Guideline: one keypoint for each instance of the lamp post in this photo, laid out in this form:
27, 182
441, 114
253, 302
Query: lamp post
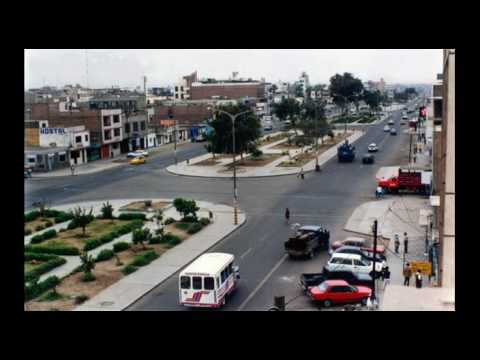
235, 194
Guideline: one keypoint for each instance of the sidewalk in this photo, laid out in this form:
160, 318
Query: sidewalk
270, 169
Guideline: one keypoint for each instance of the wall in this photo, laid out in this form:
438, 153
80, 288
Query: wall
184, 114
235, 91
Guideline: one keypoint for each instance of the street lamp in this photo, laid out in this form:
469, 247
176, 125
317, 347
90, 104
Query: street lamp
233, 117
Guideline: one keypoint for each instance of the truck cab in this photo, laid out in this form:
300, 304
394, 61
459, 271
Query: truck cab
307, 241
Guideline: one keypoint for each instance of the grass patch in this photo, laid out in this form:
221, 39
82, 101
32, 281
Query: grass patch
140, 206
183, 226
36, 265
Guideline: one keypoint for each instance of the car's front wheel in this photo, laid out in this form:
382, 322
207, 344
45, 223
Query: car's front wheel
327, 303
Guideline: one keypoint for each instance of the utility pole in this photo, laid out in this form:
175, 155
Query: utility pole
410, 151
317, 167
374, 277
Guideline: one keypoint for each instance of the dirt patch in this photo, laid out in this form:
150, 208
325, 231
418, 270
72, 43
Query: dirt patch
272, 139
140, 206
170, 228
207, 162
286, 146
40, 221
261, 161
74, 237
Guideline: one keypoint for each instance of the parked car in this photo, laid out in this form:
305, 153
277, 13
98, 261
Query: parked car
386, 128
351, 262
339, 291
364, 254
313, 279
138, 160
393, 131
391, 122
405, 117
349, 241
368, 159
137, 153
372, 147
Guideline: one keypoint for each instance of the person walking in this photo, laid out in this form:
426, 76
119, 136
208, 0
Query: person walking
287, 216
407, 274
300, 174
397, 243
386, 277
405, 243
72, 169
418, 279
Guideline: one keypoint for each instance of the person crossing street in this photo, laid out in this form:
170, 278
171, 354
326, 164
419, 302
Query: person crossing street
287, 216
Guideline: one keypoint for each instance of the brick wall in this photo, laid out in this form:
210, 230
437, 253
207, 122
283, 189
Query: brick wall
184, 114
228, 91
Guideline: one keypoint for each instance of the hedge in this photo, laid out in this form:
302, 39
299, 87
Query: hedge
155, 240
129, 269
171, 239
183, 226
104, 255
194, 228
189, 219
132, 216
45, 236
91, 244
33, 291
44, 268
120, 246
56, 250
144, 259
31, 216
117, 232
204, 221
169, 221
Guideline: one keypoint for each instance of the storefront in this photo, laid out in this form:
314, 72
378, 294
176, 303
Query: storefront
47, 159
93, 153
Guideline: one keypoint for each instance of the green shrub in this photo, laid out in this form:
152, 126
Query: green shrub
31, 216
33, 290
155, 240
49, 234
51, 296
169, 221
80, 299
37, 239
171, 239
106, 238
129, 269
91, 244
144, 259
120, 246
257, 153
48, 213
183, 226
48, 224
107, 211
204, 221
88, 277
53, 249
194, 228
132, 216
52, 262
62, 217
39, 227
27, 232
189, 219
104, 255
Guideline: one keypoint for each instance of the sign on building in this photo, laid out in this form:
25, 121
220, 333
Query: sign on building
424, 267
56, 131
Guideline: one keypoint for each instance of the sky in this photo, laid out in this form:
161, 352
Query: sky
126, 67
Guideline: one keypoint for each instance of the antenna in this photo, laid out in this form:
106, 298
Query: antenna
86, 65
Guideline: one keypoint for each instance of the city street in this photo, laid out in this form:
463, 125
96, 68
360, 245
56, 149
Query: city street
327, 198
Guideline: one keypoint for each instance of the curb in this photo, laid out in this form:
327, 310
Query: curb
169, 277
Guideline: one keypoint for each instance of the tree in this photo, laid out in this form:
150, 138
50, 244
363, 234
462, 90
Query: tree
139, 236
247, 130
81, 218
287, 108
345, 89
372, 99
107, 211
186, 207
88, 264
159, 220
314, 123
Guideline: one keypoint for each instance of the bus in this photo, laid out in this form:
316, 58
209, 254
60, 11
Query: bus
208, 280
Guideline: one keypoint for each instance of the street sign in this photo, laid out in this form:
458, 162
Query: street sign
424, 267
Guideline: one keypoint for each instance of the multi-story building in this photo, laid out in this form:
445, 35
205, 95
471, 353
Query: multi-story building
136, 128
227, 90
304, 83
183, 87
128, 103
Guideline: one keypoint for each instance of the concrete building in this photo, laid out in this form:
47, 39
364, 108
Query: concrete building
128, 103
182, 90
304, 82
227, 90
137, 130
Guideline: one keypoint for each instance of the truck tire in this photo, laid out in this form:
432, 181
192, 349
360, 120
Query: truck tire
327, 303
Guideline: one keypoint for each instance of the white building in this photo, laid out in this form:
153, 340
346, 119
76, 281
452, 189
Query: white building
304, 82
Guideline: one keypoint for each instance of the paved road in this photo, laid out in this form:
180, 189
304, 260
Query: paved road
327, 198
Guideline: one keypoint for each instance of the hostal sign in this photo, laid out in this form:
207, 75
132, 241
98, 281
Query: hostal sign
59, 131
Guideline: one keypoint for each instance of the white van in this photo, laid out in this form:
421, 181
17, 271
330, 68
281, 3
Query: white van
351, 262
208, 280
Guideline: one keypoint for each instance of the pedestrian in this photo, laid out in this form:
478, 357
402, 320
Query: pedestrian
386, 277
188, 161
418, 279
287, 215
72, 169
300, 174
407, 274
379, 192
405, 243
414, 159
210, 215
397, 243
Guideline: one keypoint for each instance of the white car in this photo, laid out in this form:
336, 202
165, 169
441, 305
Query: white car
351, 262
386, 128
391, 122
404, 117
137, 153
372, 147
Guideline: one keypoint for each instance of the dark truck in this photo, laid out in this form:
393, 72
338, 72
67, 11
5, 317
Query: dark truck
314, 279
346, 152
307, 241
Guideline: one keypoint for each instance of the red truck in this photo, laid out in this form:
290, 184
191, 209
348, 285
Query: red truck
407, 180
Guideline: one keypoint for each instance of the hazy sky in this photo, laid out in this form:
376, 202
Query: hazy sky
125, 68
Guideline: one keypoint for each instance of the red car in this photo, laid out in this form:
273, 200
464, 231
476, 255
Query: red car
358, 242
337, 292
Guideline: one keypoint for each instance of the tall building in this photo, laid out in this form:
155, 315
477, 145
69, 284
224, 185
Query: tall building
183, 87
304, 82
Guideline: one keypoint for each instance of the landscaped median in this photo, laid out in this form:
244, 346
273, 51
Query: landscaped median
110, 250
280, 156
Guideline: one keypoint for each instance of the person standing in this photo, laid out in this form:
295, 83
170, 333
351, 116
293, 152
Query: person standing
397, 243
405, 243
418, 279
386, 277
72, 169
300, 174
407, 274
287, 215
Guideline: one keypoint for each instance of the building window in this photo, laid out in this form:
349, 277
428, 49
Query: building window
127, 128
61, 158
86, 137
116, 132
176, 88
135, 126
142, 125
106, 121
115, 146
31, 159
78, 139
107, 134
116, 119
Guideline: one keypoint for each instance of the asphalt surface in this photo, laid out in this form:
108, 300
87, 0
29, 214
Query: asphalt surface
327, 198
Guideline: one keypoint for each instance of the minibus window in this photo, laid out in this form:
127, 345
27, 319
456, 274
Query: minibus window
197, 282
230, 268
208, 283
218, 282
185, 282
223, 276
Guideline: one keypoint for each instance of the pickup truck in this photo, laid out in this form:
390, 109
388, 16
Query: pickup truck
314, 279
307, 240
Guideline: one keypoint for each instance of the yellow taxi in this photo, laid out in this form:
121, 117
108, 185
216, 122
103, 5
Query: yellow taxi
138, 160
